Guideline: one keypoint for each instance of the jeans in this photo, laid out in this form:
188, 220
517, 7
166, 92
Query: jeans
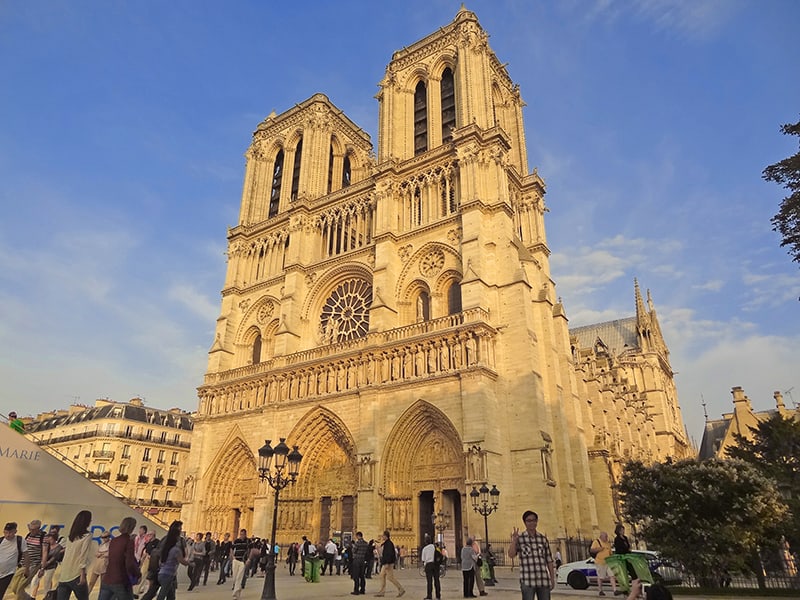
118, 591
167, 584
358, 572
542, 592
469, 583
432, 575
65, 588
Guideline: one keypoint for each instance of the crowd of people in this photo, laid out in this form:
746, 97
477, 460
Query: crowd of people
137, 565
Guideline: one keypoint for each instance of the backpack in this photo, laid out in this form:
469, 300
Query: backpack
19, 550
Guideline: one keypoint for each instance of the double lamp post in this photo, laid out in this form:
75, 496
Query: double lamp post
277, 479
485, 502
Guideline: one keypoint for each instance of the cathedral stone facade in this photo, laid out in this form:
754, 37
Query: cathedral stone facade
392, 314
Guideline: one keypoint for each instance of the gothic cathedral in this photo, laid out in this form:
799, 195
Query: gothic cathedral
393, 317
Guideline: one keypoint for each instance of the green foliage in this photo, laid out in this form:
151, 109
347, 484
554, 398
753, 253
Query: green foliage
787, 173
775, 451
708, 515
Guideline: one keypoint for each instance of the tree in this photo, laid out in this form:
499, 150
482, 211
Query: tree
774, 449
787, 173
709, 515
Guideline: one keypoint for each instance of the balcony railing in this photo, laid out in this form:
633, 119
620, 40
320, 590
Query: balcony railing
100, 434
103, 476
103, 454
143, 479
158, 480
122, 477
172, 482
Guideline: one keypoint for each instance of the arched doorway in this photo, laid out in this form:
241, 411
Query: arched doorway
322, 502
232, 486
423, 475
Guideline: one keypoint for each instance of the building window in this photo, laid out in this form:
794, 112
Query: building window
148, 435
454, 298
298, 154
163, 437
177, 438
346, 172
448, 92
146, 455
101, 468
174, 460
128, 431
126, 451
257, 350
277, 177
143, 472
345, 315
161, 452
420, 119
423, 307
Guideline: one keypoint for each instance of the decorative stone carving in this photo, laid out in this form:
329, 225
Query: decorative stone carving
244, 304
265, 311
432, 263
405, 252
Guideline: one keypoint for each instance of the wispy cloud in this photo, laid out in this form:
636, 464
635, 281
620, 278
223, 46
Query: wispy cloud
697, 19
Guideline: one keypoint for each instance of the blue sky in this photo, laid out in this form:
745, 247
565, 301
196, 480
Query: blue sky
121, 161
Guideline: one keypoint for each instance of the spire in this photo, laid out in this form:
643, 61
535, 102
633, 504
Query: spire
641, 312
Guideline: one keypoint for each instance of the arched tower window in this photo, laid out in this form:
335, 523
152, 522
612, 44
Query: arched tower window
277, 177
454, 298
448, 92
420, 119
423, 307
298, 152
346, 172
257, 350
330, 170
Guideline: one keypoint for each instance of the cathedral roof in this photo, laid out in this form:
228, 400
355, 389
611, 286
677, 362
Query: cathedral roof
618, 336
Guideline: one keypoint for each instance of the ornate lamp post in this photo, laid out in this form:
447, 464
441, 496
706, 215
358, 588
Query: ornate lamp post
441, 522
484, 502
278, 479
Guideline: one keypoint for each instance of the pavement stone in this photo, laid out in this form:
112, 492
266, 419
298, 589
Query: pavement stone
340, 586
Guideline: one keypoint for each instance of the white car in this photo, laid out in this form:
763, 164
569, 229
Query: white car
581, 574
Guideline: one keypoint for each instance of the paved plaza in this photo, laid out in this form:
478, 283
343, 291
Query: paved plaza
296, 588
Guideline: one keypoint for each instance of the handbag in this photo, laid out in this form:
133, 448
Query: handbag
479, 562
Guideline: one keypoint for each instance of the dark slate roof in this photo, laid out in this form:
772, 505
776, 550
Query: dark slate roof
120, 411
713, 435
618, 336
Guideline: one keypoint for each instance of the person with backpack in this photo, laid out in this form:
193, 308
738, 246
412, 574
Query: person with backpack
35, 557
431, 558
153, 553
12, 551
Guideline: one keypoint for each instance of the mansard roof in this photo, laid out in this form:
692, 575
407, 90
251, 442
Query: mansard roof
618, 336
113, 411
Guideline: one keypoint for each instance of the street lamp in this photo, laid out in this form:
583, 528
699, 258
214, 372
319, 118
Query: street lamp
441, 522
484, 502
274, 475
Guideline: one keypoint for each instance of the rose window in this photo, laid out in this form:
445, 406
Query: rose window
345, 315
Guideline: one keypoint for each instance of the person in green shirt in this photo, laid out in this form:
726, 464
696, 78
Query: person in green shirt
15, 423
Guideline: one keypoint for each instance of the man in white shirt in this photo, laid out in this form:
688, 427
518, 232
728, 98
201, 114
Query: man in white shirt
431, 558
330, 556
11, 552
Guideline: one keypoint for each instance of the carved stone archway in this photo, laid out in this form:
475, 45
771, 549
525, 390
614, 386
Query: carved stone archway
423, 456
232, 484
323, 499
